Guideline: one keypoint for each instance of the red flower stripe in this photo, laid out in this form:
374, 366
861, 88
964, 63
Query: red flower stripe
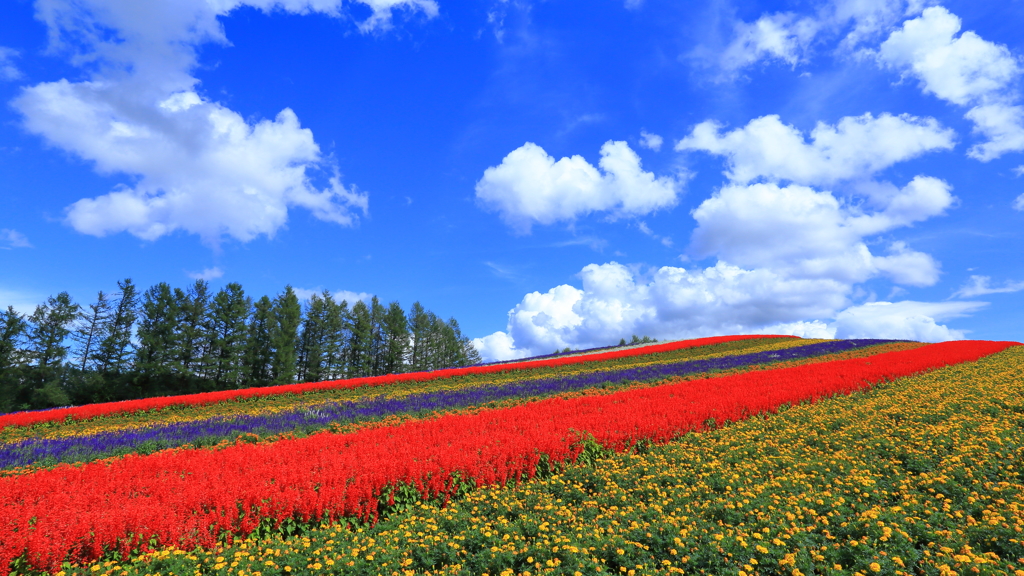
92, 410
188, 497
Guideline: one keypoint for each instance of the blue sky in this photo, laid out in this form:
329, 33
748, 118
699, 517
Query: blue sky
549, 173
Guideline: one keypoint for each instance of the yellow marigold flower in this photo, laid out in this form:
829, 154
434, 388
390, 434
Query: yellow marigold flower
875, 567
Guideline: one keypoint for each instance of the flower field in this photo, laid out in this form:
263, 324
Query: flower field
735, 455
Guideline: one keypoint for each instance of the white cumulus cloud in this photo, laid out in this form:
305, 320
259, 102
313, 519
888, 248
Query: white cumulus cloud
905, 320
531, 187
856, 147
197, 166
616, 301
498, 346
804, 233
790, 254
965, 70
670, 302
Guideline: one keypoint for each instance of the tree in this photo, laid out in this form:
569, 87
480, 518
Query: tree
395, 330
158, 330
228, 313
192, 347
360, 345
259, 353
284, 335
420, 327
190, 340
89, 332
13, 329
114, 353
377, 312
319, 339
51, 325
338, 329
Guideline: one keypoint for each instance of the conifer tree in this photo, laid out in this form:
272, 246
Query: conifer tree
420, 328
259, 353
396, 339
315, 338
192, 342
89, 332
360, 342
284, 335
338, 329
228, 313
192, 339
51, 324
377, 312
114, 352
13, 329
158, 330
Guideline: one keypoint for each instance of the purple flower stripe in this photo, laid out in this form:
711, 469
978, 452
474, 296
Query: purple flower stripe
308, 419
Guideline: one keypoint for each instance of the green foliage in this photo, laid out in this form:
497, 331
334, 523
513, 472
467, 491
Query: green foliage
169, 341
114, 353
314, 338
13, 329
284, 335
50, 326
192, 335
91, 323
360, 344
395, 332
228, 312
157, 334
259, 351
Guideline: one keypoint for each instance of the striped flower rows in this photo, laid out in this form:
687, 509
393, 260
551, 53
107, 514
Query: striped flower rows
261, 405
919, 476
322, 416
191, 497
129, 406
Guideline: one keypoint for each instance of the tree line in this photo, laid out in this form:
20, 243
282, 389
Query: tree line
167, 341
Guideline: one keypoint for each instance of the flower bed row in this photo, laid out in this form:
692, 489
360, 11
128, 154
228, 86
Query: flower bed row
917, 477
92, 410
262, 405
310, 418
190, 497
